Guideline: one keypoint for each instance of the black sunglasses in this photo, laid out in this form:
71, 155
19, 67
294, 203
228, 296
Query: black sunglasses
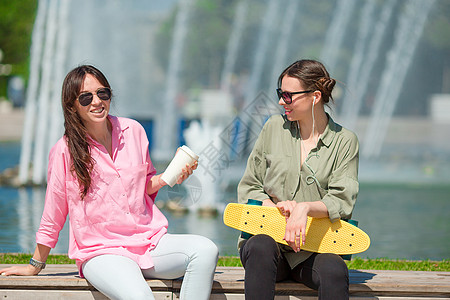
287, 96
103, 93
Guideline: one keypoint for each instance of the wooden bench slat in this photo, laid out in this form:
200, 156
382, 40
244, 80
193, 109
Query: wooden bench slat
230, 281
63, 295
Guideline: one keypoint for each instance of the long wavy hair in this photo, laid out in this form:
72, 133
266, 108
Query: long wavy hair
313, 75
76, 134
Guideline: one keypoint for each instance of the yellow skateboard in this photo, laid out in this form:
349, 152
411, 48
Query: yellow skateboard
322, 236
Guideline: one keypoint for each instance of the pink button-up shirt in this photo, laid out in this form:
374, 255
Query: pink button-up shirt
117, 216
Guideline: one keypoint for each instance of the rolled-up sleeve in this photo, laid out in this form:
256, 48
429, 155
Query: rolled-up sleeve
343, 186
55, 208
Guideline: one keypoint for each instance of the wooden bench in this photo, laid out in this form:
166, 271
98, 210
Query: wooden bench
63, 282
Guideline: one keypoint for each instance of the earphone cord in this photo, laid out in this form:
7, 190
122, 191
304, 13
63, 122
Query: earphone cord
310, 178
314, 122
314, 125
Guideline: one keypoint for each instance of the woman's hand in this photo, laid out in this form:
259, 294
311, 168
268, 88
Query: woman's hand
155, 184
296, 215
40, 254
295, 234
286, 207
187, 171
23, 270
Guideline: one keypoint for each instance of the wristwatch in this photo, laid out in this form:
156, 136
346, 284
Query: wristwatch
37, 264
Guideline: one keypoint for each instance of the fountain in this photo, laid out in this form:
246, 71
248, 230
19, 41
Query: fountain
222, 145
281, 52
63, 37
165, 127
233, 43
246, 122
261, 52
203, 186
359, 72
366, 23
335, 34
41, 150
32, 91
42, 133
107, 48
56, 121
398, 60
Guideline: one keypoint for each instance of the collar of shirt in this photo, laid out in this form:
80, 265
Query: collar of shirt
326, 137
116, 136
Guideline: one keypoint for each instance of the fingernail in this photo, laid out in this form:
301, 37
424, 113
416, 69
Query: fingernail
3, 274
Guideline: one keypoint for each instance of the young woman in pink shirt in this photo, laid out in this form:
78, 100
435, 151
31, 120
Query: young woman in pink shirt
101, 175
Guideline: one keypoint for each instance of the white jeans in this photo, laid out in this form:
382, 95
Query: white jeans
176, 255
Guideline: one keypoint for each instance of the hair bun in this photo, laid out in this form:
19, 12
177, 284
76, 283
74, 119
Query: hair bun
327, 84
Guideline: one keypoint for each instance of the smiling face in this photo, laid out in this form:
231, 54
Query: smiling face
301, 103
97, 111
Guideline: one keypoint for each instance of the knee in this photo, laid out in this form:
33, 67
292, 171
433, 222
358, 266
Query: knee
206, 249
260, 246
333, 268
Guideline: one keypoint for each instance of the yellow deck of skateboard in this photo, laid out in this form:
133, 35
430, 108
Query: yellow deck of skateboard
322, 236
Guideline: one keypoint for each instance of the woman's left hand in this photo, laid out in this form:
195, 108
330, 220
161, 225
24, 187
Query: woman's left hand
187, 171
296, 226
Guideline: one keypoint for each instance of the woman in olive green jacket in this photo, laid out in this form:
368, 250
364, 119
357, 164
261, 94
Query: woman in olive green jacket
306, 165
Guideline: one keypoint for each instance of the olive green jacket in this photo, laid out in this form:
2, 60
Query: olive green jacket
329, 173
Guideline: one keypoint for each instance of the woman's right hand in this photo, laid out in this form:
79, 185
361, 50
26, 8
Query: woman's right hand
22, 270
286, 208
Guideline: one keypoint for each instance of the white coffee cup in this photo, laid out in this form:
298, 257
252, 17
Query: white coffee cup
173, 171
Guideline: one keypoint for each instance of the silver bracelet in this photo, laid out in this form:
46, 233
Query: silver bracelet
37, 264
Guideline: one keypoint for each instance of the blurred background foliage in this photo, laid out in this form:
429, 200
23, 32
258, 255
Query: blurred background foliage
16, 26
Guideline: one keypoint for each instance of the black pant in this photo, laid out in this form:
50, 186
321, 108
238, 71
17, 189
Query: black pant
264, 265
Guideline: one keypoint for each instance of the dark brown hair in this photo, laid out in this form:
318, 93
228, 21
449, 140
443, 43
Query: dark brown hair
313, 75
75, 131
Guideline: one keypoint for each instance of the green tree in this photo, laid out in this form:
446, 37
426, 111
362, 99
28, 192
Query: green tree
16, 26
